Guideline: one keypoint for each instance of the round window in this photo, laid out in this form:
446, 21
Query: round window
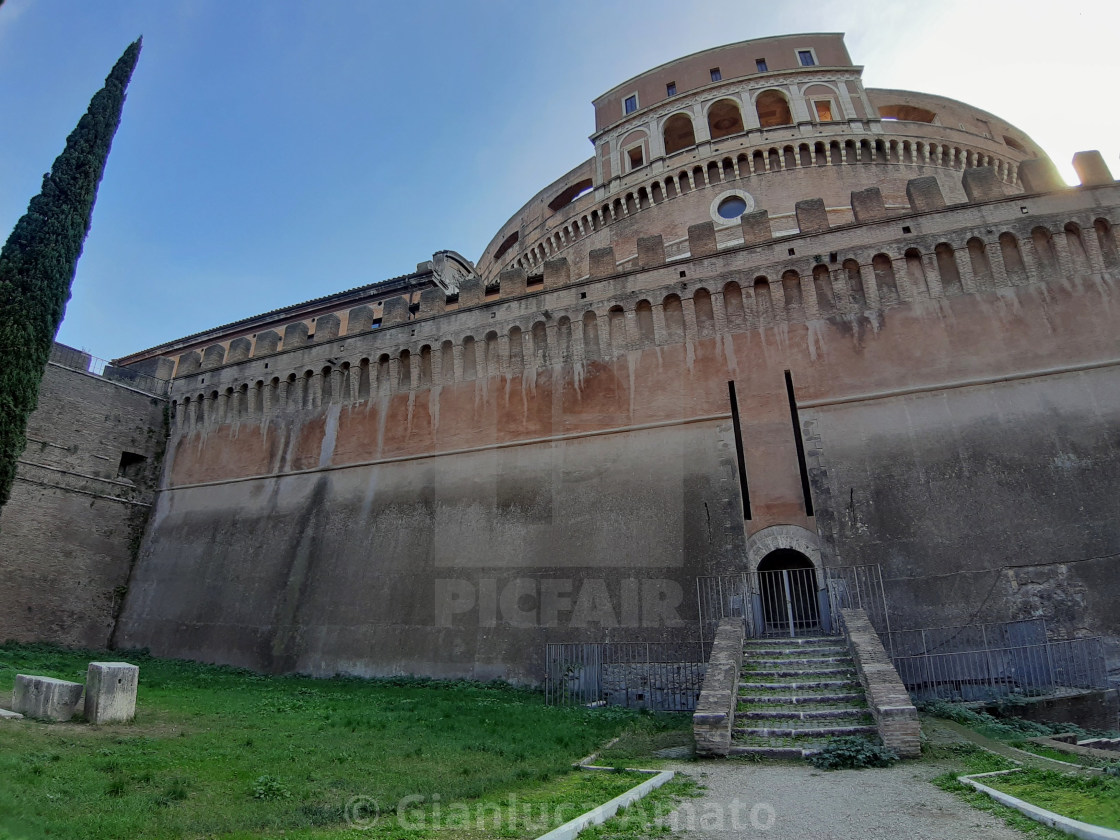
732, 207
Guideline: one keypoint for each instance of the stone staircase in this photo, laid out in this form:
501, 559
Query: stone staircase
795, 694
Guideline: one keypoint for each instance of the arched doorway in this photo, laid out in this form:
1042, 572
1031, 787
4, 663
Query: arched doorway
787, 590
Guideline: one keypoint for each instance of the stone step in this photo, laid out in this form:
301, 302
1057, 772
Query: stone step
795, 687
833, 731
801, 672
850, 711
790, 662
810, 749
800, 699
783, 653
786, 641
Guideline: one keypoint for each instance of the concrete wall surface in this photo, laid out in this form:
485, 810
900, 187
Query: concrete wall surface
445, 495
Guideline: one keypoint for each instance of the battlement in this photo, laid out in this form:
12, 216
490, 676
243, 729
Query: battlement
931, 252
153, 377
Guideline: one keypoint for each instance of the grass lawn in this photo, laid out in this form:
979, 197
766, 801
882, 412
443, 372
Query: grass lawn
222, 752
1093, 799
964, 759
1062, 755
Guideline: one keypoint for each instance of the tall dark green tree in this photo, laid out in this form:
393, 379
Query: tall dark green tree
38, 261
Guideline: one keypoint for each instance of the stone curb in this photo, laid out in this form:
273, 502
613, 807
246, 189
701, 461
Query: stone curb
604, 812
1066, 824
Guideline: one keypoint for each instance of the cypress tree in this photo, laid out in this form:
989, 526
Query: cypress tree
38, 261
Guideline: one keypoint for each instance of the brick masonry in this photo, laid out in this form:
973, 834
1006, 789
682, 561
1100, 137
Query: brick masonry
70, 532
887, 697
715, 710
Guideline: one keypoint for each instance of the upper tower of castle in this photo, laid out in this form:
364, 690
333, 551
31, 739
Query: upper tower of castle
757, 124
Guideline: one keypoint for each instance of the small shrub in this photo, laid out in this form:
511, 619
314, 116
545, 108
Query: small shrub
269, 787
852, 753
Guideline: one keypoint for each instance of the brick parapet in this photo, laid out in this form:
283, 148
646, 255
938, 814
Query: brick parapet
887, 698
715, 709
475, 316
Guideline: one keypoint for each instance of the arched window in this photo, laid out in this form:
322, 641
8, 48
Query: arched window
855, 284
724, 119
884, 279
981, 265
915, 271
590, 336
773, 109
383, 368
507, 243
822, 285
705, 316
645, 323
493, 364
733, 307
516, 351
307, 397
470, 358
1012, 259
678, 133
425, 366
540, 344
1077, 253
616, 322
1044, 248
674, 319
791, 288
948, 269
763, 305
446, 363
405, 372
363, 381
906, 112
1106, 239
564, 337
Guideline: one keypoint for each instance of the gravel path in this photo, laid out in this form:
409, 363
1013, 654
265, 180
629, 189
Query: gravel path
795, 802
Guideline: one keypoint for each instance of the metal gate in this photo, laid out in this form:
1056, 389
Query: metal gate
792, 602
663, 676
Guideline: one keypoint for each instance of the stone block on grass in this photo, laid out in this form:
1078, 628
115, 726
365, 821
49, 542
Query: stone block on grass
111, 692
45, 698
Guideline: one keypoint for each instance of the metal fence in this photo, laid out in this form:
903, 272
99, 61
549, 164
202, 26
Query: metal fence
983, 674
69, 357
969, 637
663, 676
791, 602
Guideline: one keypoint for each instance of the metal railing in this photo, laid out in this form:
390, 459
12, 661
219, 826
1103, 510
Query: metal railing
69, 357
663, 676
983, 674
792, 602
998, 634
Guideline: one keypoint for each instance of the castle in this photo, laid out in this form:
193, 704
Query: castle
777, 321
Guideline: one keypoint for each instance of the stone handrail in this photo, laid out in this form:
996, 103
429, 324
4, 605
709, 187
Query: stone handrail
715, 709
889, 702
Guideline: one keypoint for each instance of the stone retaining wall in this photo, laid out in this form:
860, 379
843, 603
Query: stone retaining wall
887, 698
715, 710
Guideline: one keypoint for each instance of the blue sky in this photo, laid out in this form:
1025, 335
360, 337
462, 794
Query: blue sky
272, 152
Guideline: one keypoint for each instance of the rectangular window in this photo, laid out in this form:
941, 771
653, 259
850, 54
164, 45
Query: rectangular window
805, 58
824, 110
631, 104
715, 74
671, 89
635, 156
760, 64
